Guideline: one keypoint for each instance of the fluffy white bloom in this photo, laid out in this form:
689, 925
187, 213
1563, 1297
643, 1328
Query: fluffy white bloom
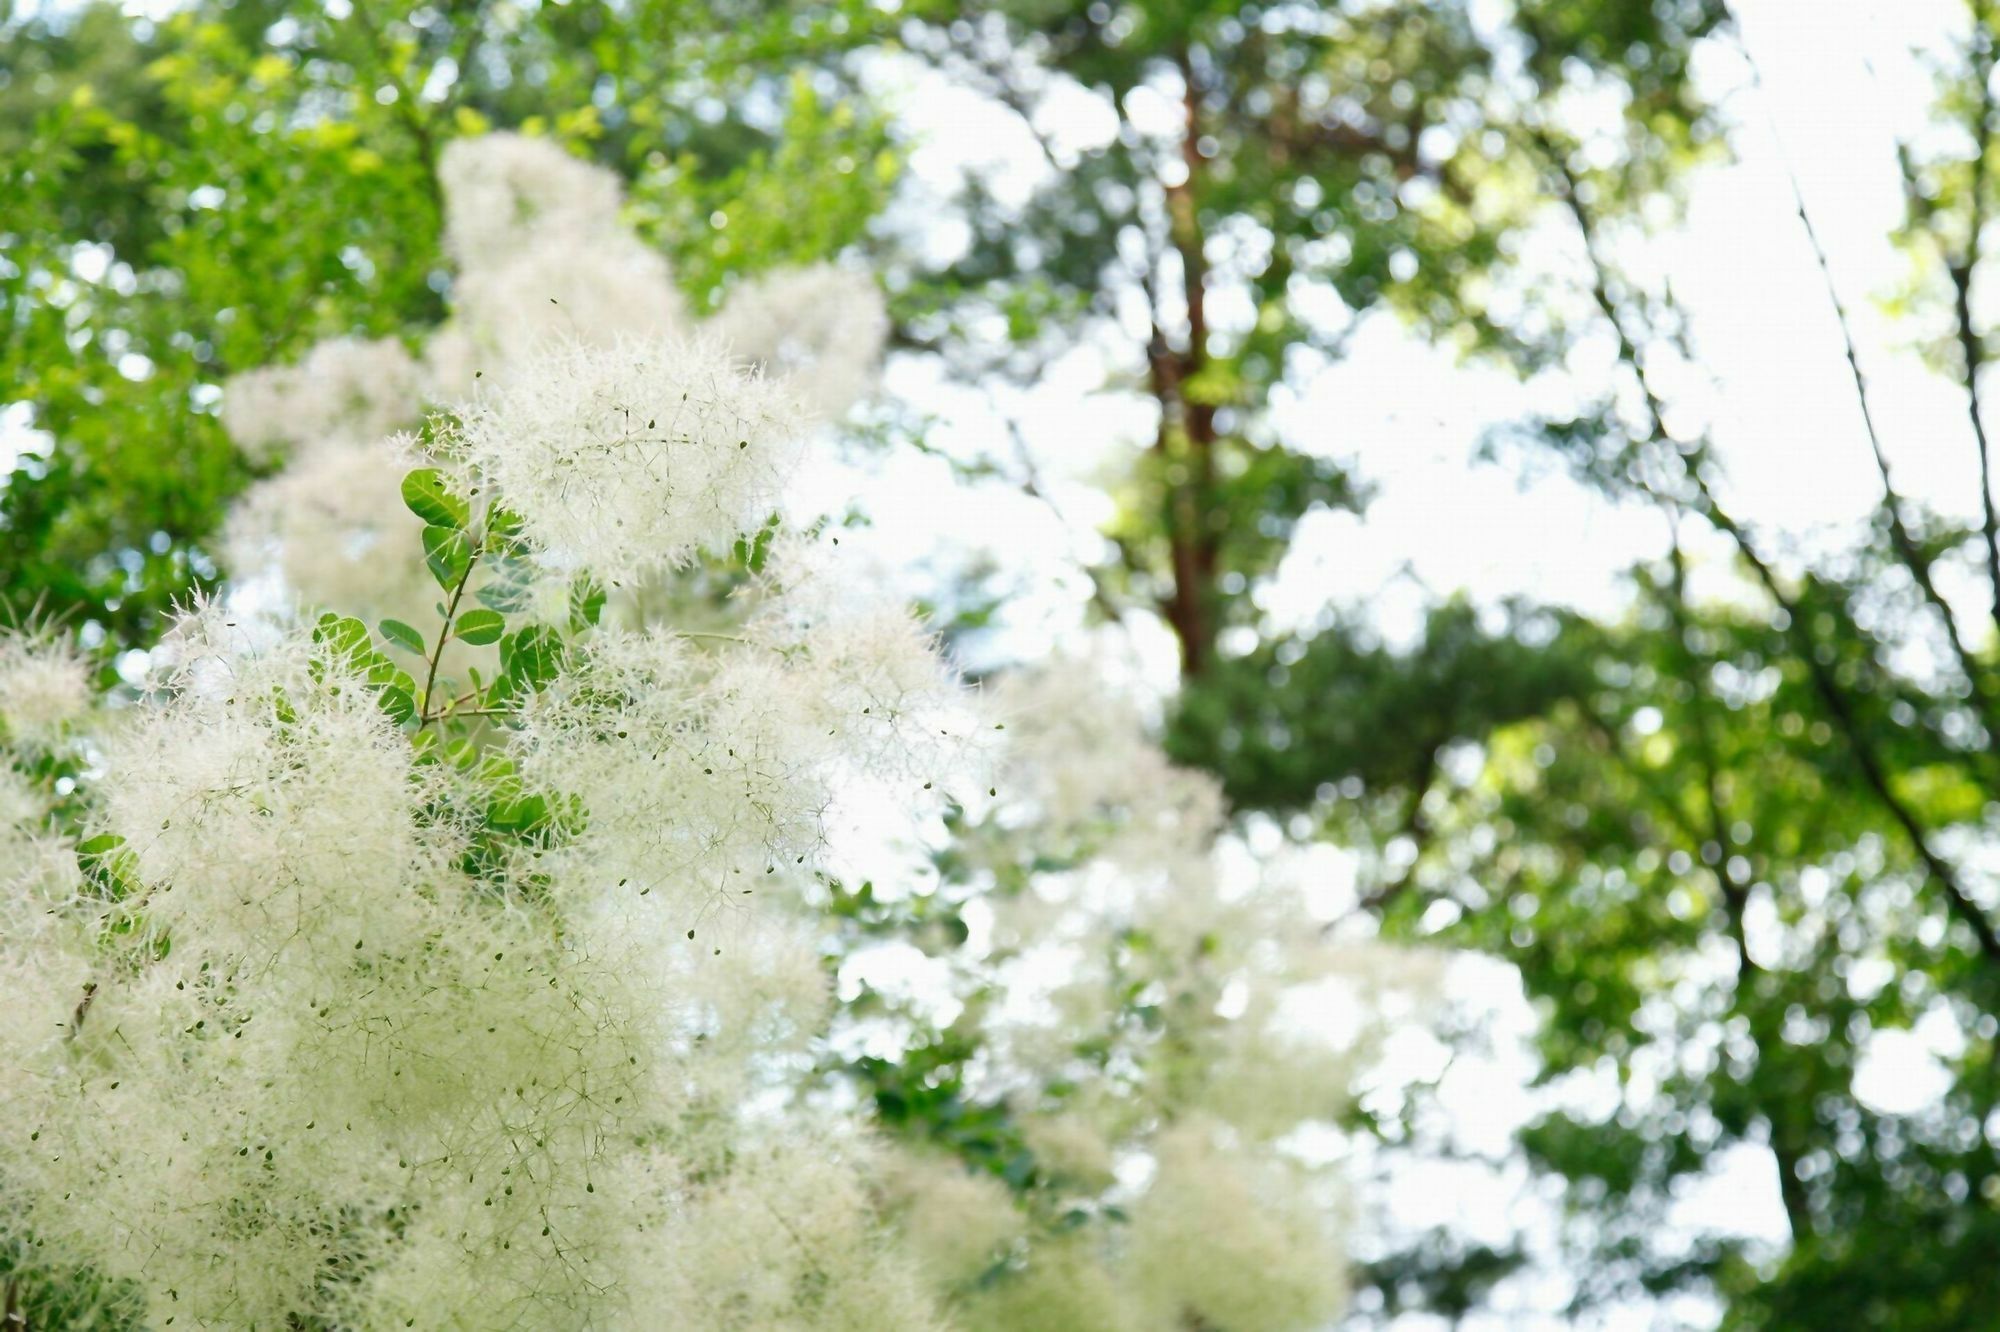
42, 968
504, 192
710, 765
339, 1050
820, 329
334, 526
595, 290
247, 822
501, 1102
956, 1222
1091, 777
44, 689
633, 457
21, 807
836, 1270
1071, 1148
344, 390
542, 257
1225, 1239
886, 688
1066, 1282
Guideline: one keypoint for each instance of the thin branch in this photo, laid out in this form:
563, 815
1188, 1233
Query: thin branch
444, 636
1971, 347
1912, 555
1704, 502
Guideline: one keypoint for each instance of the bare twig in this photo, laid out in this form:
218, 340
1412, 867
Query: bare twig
1704, 501
1912, 555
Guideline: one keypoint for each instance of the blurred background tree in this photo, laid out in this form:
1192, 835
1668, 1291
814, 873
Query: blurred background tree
1724, 839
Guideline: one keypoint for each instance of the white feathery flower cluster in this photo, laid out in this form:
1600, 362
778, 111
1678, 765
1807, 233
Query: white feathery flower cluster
834, 1270
549, 275
345, 390
509, 1096
626, 459
958, 1222
319, 1024
333, 525
543, 257
1229, 1238
1080, 760
44, 689
41, 967
594, 290
821, 329
21, 809
1064, 1283
503, 193
890, 692
1161, 1029
711, 763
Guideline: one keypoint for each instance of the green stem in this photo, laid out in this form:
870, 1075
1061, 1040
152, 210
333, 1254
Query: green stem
444, 635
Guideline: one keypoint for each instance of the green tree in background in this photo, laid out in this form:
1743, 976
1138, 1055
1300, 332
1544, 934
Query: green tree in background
1724, 842
1275, 174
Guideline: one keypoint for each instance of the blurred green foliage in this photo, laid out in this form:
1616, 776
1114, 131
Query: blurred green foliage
1723, 842
223, 188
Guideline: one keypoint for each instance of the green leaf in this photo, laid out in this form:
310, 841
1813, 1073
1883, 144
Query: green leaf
346, 638
383, 673
507, 587
398, 703
586, 604
98, 845
480, 626
503, 523
751, 552
424, 491
447, 553
403, 636
531, 658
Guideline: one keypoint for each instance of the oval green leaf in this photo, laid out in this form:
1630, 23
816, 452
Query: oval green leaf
403, 636
425, 493
480, 626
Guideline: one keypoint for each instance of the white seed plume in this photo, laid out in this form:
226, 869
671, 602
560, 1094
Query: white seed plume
820, 329
345, 390
634, 457
44, 689
506, 192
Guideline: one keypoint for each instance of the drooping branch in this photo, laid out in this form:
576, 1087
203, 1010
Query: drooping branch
1781, 1120
1704, 502
1913, 556
1972, 349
